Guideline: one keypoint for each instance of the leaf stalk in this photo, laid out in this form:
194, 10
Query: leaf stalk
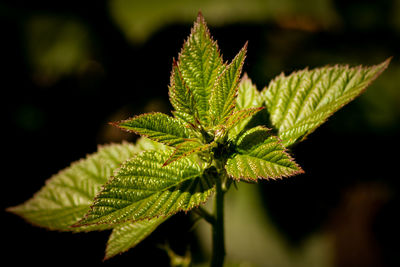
205, 215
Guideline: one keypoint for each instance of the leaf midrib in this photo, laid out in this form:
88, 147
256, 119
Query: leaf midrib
99, 221
321, 110
274, 163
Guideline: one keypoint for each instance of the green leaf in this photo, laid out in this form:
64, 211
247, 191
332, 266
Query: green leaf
239, 119
128, 235
247, 101
182, 98
252, 137
142, 189
260, 155
224, 93
200, 65
186, 149
248, 95
144, 143
302, 101
67, 196
158, 127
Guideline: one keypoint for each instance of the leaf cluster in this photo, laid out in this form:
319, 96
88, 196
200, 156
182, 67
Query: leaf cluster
222, 130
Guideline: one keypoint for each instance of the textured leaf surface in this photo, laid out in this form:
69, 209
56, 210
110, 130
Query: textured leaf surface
248, 103
248, 95
239, 119
144, 143
260, 155
182, 98
158, 127
302, 101
186, 149
224, 93
142, 189
200, 65
67, 196
128, 235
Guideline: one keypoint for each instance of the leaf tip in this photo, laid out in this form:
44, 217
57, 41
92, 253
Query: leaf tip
12, 209
200, 21
200, 16
386, 63
246, 44
114, 123
107, 255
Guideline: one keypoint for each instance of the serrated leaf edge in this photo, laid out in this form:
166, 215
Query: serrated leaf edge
199, 148
233, 104
117, 124
385, 64
200, 21
290, 158
172, 85
244, 116
106, 257
79, 223
77, 162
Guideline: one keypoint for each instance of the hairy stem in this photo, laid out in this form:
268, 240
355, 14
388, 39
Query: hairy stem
218, 239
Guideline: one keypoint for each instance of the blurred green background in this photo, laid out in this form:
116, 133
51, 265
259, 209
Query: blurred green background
70, 67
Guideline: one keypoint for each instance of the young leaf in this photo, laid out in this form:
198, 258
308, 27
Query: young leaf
67, 196
200, 64
187, 148
252, 137
223, 95
142, 189
240, 117
128, 235
182, 98
143, 144
248, 95
158, 127
260, 155
302, 101
248, 103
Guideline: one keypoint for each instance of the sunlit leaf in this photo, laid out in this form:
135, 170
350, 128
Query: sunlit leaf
143, 144
67, 196
200, 65
239, 119
158, 127
128, 235
248, 103
187, 148
260, 156
223, 96
302, 101
248, 95
182, 98
142, 189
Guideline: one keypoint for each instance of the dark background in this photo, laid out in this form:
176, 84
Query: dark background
58, 100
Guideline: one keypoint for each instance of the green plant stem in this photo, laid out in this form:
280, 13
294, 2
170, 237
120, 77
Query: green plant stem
218, 239
205, 215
